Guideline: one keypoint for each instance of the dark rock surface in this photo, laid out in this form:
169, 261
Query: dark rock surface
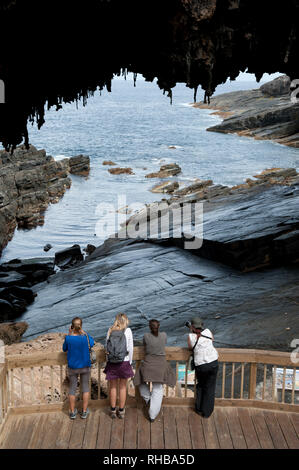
264, 113
29, 181
146, 280
89, 249
247, 226
68, 257
11, 333
16, 278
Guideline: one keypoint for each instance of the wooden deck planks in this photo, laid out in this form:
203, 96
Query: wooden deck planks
77, 435
210, 433
183, 429
54, 421
222, 429
130, 431
275, 431
117, 434
143, 430
174, 428
235, 428
157, 435
196, 430
64, 434
170, 428
248, 429
295, 421
104, 432
289, 432
91, 430
261, 429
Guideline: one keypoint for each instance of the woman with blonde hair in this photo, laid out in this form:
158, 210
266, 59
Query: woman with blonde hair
119, 349
77, 344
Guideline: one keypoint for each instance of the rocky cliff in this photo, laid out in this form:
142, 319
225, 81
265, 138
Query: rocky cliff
264, 113
199, 42
251, 228
29, 181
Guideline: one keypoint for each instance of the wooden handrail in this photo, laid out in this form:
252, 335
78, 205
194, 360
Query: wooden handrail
242, 391
254, 356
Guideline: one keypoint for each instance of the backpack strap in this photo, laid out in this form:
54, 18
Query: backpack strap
88, 342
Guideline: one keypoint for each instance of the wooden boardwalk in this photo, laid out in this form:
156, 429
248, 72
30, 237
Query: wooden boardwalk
175, 428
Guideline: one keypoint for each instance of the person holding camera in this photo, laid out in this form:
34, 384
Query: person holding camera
200, 342
155, 369
77, 344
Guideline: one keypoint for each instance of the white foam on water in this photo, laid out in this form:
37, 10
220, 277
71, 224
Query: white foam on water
60, 157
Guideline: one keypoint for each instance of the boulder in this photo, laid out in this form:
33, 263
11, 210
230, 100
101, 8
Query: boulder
80, 165
23, 293
7, 311
12, 332
47, 247
89, 249
26, 272
119, 171
29, 265
165, 171
198, 186
167, 187
69, 257
12, 278
277, 87
108, 162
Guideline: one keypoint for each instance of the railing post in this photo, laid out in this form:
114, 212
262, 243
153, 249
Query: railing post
252, 381
138, 397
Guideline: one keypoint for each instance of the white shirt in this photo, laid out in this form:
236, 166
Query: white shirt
204, 352
130, 346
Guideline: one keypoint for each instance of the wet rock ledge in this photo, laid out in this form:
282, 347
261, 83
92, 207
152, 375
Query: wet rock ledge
264, 113
29, 181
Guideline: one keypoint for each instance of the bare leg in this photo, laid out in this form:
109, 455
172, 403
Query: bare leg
85, 400
113, 392
122, 392
72, 399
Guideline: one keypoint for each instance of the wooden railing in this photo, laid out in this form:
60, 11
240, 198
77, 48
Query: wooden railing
246, 378
4, 403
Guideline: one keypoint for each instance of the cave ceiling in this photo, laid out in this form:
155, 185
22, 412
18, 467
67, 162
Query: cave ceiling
54, 52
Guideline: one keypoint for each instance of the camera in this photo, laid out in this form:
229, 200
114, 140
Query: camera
188, 324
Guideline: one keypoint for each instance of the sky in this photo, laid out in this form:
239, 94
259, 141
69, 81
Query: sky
247, 77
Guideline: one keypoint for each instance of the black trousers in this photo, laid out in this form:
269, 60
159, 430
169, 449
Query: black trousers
206, 375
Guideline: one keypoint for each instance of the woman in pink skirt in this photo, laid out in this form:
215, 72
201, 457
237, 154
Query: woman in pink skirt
119, 348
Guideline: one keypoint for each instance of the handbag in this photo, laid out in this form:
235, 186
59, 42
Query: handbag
191, 365
92, 354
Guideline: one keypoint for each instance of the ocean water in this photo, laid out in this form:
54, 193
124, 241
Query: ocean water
134, 127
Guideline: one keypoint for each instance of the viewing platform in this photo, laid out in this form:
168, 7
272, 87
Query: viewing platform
257, 400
